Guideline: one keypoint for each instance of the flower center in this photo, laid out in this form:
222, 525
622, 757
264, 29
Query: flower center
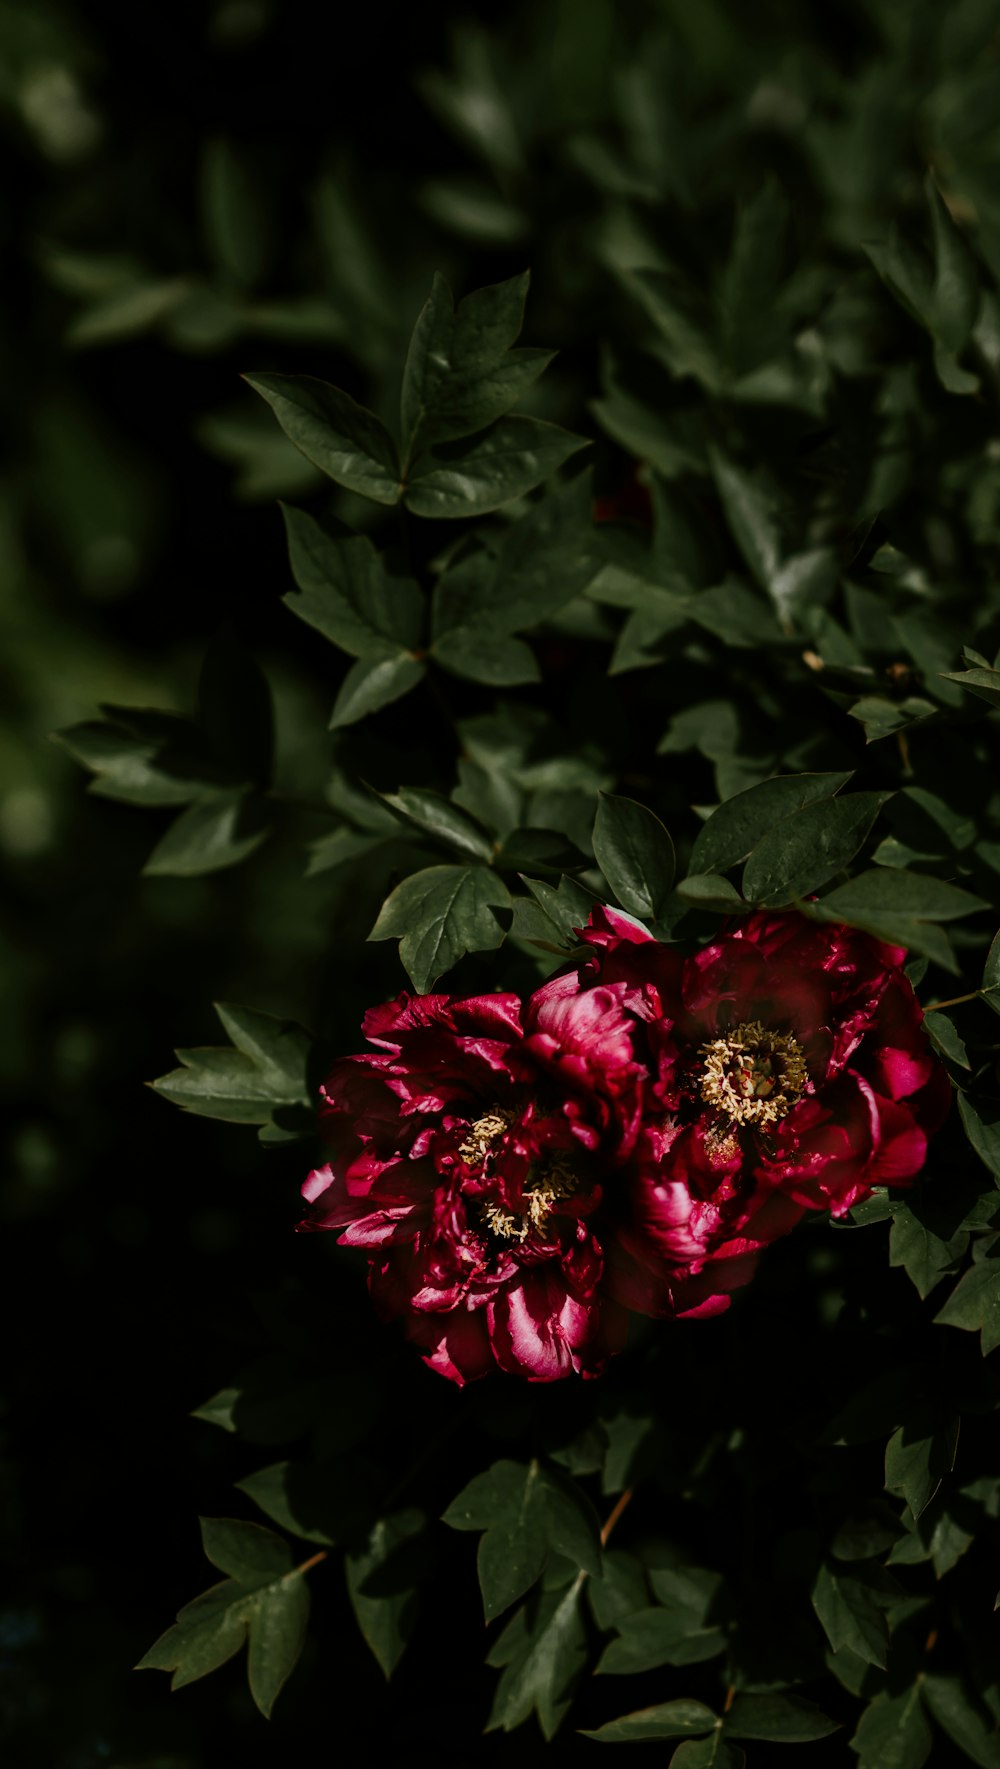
548, 1181
753, 1075
484, 1135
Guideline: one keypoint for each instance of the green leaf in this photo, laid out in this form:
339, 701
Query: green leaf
751, 516
916, 1462
881, 717
461, 370
438, 817
636, 855
621, 1589
893, 1732
735, 614
706, 890
208, 1631
480, 654
554, 914
543, 1651
265, 1599
900, 907
383, 1580
983, 683
850, 1616
152, 758
944, 1035
991, 969
244, 1551
958, 1713
277, 1635
470, 478
490, 794
741, 822
232, 213
213, 833
371, 683
803, 851
713, 1752
680, 319
905, 271
753, 324
956, 293
787, 1719
877, 1208
866, 1533
941, 1536
347, 594
974, 1304
648, 634
913, 1244
474, 102
439, 914
344, 440
936, 815
653, 1637
544, 848
129, 311
524, 1510
317, 1500
545, 559
264, 1072
982, 1127
679, 1632
669, 1719
142, 757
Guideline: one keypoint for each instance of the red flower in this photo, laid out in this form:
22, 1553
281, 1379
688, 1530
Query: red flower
469, 1157
790, 1072
523, 1174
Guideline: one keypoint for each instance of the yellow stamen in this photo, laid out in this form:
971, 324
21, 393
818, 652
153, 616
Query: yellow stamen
556, 1181
544, 1189
505, 1223
753, 1075
484, 1135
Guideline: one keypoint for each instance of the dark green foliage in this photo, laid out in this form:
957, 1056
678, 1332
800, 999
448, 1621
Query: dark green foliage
440, 914
217, 765
383, 1580
671, 1719
669, 583
339, 436
525, 1512
461, 455
261, 1079
263, 1601
635, 854
541, 1654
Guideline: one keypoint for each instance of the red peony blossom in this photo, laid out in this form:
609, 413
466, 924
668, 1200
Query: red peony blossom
523, 1174
789, 1072
469, 1158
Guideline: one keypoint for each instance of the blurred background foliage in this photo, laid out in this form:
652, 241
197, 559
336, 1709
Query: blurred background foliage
197, 192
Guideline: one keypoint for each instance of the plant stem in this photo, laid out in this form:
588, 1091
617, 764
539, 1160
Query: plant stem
313, 1560
954, 1001
614, 1515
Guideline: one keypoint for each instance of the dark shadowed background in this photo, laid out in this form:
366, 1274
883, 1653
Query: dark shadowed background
193, 193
